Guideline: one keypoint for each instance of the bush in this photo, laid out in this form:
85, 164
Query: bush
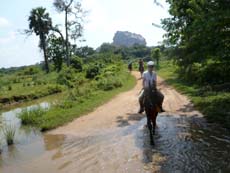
107, 84
77, 63
10, 88
30, 71
9, 133
92, 71
66, 104
211, 72
215, 107
32, 116
66, 77
54, 89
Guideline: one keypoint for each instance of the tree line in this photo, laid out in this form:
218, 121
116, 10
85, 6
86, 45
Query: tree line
198, 34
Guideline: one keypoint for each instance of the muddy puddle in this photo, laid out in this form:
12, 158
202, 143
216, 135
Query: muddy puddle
182, 144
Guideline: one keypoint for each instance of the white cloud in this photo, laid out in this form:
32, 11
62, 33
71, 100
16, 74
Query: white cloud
8, 38
4, 22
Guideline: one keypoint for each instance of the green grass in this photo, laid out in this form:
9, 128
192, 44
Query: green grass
214, 105
32, 115
85, 99
9, 133
17, 88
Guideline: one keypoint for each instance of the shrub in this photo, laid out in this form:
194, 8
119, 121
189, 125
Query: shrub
66, 77
66, 104
77, 63
93, 70
54, 89
10, 88
16, 80
72, 96
215, 107
30, 71
32, 116
9, 133
107, 84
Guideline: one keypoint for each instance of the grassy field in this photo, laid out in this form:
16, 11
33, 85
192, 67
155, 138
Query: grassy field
79, 101
213, 104
28, 84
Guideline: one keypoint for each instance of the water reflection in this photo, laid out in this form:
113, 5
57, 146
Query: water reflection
182, 144
190, 145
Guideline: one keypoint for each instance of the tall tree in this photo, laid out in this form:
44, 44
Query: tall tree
74, 15
55, 51
199, 30
155, 54
40, 23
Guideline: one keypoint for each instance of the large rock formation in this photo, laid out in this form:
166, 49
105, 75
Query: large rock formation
125, 38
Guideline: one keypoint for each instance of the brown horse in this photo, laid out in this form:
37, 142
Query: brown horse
151, 110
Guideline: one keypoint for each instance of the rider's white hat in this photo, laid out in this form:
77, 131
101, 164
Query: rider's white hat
150, 63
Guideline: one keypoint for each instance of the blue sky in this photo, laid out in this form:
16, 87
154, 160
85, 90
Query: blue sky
105, 17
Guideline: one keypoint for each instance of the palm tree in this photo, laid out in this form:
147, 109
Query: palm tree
40, 23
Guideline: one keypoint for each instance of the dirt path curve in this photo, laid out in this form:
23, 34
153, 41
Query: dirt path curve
111, 139
124, 105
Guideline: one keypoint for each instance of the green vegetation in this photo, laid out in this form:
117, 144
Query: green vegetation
26, 84
198, 46
198, 35
212, 101
110, 80
9, 133
155, 55
30, 116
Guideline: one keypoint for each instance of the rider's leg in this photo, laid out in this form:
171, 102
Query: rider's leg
160, 99
141, 102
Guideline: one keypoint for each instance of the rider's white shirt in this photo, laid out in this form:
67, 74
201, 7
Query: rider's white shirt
149, 78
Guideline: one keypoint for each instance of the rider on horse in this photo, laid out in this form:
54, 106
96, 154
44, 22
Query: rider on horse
149, 80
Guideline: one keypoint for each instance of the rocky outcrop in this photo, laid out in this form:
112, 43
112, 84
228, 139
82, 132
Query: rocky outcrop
128, 39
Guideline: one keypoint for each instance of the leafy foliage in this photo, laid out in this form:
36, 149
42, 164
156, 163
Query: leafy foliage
155, 54
198, 30
56, 51
40, 23
77, 63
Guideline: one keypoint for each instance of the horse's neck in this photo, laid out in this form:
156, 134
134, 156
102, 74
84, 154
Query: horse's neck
151, 96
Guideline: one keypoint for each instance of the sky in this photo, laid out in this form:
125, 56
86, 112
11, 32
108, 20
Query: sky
104, 18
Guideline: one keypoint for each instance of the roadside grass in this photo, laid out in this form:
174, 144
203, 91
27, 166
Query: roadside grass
214, 105
78, 101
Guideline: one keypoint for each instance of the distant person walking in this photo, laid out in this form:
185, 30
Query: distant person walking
141, 67
130, 66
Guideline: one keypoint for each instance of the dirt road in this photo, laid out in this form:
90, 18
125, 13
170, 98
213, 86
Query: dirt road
112, 139
122, 106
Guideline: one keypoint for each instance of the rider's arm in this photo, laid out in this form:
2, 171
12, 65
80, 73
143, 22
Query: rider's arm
143, 80
143, 83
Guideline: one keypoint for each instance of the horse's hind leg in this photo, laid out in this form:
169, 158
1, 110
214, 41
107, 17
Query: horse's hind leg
150, 127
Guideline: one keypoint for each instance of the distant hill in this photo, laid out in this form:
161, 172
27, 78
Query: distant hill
128, 39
